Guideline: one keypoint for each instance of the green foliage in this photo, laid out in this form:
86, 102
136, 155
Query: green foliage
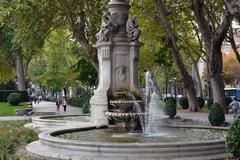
201, 102
78, 101
82, 101
209, 102
13, 135
170, 99
50, 99
14, 99
86, 106
5, 93
7, 110
216, 115
170, 107
57, 74
229, 100
11, 85
87, 74
233, 138
183, 102
6, 72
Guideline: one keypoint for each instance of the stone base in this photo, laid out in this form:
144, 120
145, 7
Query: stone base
98, 109
52, 148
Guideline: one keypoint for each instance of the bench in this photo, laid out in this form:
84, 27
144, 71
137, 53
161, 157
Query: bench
22, 112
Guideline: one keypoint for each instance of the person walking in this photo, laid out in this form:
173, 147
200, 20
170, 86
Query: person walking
65, 104
58, 103
235, 106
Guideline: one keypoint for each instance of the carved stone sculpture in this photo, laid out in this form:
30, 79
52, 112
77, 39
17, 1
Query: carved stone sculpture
121, 72
133, 32
107, 27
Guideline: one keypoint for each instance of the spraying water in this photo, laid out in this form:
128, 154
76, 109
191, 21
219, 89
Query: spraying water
152, 106
152, 100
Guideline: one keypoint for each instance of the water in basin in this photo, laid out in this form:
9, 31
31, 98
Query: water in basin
166, 134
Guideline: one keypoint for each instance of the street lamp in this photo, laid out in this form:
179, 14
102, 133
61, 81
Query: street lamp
175, 87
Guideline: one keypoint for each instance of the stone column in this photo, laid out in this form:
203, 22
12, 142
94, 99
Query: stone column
99, 102
133, 61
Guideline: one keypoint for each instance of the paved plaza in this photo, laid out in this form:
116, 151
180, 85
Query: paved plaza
51, 107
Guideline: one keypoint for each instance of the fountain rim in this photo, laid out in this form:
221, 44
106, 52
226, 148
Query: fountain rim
49, 138
49, 120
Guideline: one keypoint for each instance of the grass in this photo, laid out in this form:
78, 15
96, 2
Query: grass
7, 110
13, 139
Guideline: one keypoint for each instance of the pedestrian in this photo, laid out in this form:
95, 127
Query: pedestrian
65, 104
235, 106
35, 99
58, 103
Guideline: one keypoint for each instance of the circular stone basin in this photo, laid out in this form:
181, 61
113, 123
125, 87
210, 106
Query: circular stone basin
81, 118
166, 134
103, 143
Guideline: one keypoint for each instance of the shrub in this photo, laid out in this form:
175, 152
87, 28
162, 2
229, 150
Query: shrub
201, 102
12, 136
14, 99
86, 106
170, 98
233, 139
5, 93
216, 115
79, 101
50, 99
228, 100
209, 102
75, 101
183, 102
170, 108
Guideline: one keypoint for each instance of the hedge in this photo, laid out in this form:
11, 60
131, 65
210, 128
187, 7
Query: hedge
5, 93
79, 101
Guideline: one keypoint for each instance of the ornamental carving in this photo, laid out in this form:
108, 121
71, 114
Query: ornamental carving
121, 72
132, 28
108, 27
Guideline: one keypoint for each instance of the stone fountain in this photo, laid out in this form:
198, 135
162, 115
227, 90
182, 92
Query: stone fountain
119, 98
118, 53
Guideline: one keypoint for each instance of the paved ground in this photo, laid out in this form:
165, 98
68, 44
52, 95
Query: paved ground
51, 107
200, 115
46, 107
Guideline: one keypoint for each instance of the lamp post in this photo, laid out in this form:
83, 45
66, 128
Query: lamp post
175, 87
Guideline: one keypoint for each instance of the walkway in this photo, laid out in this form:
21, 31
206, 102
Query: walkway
45, 106
51, 107
200, 115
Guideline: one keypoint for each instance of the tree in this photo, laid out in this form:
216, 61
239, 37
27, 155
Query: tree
231, 69
186, 80
234, 8
213, 33
58, 75
12, 52
6, 72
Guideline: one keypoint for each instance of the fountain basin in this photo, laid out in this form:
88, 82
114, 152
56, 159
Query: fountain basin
44, 123
52, 147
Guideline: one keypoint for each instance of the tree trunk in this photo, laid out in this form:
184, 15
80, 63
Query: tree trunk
20, 73
200, 89
172, 44
213, 42
216, 75
233, 44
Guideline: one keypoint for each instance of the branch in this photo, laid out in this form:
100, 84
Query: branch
233, 44
223, 28
198, 9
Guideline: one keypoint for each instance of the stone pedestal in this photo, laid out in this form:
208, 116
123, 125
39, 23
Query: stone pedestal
118, 60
